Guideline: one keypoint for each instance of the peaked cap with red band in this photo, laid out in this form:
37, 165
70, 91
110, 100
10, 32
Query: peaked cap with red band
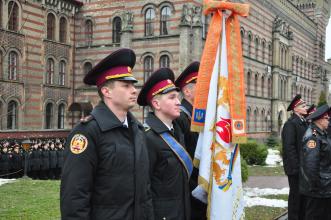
297, 100
160, 82
116, 66
189, 75
320, 112
311, 110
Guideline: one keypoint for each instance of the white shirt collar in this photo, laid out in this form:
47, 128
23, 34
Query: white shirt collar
171, 127
125, 122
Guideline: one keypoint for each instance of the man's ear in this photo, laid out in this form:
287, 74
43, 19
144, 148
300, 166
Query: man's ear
106, 91
155, 104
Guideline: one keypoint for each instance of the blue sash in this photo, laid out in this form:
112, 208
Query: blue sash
180, 152
186, 111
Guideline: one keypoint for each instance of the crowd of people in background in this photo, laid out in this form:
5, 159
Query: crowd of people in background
44, 158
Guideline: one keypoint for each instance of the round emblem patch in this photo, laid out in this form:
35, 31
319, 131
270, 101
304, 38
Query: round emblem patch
78, 143
311, 144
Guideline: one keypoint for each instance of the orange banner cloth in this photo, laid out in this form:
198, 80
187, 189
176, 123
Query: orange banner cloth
235, 67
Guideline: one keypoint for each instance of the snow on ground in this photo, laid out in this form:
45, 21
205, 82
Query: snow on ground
4, 181
273, 158
252, 197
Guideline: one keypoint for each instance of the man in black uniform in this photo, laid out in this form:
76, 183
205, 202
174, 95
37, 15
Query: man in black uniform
106, 167
186, 82
315, 167
171, 165
292, 134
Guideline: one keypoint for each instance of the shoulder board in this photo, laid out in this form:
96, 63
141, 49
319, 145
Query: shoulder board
146, 126
86, 119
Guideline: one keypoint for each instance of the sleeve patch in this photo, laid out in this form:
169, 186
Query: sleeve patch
311, 144
78, 144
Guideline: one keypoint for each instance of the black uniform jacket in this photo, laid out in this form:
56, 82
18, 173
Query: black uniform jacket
198, 208
292, 134
184, 121
315, 166
110, 178
169, 180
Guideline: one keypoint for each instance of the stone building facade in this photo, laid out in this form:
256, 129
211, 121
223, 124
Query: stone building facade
47, 46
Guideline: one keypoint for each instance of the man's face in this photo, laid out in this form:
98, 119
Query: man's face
189, 92
323, 122
123, 94
168, 104
301, 109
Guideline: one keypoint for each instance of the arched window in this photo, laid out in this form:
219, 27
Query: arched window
50, 71
263, 51
255, 119
248, 82
13, 16
249, 44
149, 22
62, 73
256, 48
117, 28
63, 30
60, 116
164, 61
293, 90
308, 72
49, 116
50, 26
1, 64
269, 87
88, 32
262, 87
280, 91
281, 57
0, 13
12, 115
270, 53
242, 34
263, 120
285, 90
248, 118
165, 16
148, 67
87, 67
12, 65
256, 84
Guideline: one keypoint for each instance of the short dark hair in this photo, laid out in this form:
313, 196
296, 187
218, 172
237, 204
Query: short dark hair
108, 83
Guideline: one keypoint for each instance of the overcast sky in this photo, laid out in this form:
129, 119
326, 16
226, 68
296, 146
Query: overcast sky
328, 41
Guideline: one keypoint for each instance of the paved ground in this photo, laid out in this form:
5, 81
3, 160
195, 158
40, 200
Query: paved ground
274, 182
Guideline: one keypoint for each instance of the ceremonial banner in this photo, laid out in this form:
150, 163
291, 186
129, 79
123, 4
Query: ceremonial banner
220, 114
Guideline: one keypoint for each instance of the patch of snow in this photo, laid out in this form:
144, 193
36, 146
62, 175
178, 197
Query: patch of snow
252, 197
4, 181
257, 201
273, 158
264, 192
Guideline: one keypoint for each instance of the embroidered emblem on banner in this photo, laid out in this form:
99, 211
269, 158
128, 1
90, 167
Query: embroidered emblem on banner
311, 144
78, 143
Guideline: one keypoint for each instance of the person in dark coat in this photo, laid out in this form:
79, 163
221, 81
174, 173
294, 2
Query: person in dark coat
45, 162
106, 168
52, 161
186, 82
17, 162
292, 133
59, 165
5, 159
170, 164
34, 160
315, 167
